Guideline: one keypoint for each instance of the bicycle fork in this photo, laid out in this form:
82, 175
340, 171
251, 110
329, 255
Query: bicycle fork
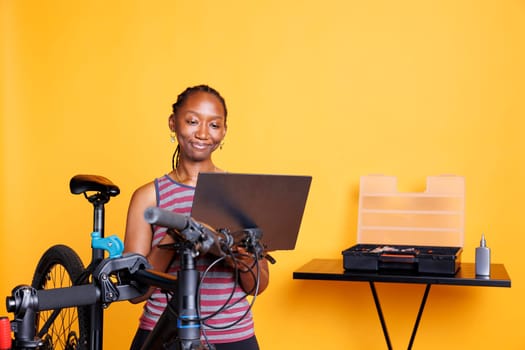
181, 311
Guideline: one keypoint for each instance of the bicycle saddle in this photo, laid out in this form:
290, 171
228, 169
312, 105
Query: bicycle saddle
84, 183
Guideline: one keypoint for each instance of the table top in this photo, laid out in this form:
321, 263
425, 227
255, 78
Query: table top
332, 270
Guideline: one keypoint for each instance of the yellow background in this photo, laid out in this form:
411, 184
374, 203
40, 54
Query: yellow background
332, 89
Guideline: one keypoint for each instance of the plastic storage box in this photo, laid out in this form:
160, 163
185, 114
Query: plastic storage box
416, 232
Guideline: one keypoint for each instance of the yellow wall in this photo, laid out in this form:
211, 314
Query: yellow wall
332, 89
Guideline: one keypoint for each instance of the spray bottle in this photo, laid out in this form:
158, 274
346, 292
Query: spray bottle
483, 258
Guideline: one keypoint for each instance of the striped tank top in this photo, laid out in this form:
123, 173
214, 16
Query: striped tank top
216, 288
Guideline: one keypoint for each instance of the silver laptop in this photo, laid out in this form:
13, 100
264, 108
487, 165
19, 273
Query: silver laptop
272, 203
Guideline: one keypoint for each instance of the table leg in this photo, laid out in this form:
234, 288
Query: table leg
380, 314
420, 312
382, 318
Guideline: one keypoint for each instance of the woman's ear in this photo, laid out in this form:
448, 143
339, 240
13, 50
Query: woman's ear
171, 122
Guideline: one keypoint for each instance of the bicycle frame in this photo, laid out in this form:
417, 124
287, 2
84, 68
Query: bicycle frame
134, 277
97, 311
98, 191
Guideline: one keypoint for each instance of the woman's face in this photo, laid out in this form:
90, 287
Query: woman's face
199, 125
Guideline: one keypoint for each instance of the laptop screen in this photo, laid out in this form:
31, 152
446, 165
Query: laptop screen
272, 203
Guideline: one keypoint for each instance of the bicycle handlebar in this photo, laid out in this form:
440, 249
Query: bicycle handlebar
168, 219
185, 227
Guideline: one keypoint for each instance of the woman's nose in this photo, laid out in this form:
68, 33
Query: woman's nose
202, 132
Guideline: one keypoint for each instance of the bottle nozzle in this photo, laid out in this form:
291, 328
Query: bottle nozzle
483, 242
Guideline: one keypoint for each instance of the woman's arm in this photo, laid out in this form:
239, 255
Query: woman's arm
139, 236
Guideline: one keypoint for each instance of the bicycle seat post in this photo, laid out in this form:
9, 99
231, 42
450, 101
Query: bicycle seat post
103, 190
98, 200
98, 223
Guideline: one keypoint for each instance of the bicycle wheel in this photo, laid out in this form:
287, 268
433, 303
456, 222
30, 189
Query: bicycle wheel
68, 328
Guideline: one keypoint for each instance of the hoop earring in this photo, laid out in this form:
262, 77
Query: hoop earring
172, 137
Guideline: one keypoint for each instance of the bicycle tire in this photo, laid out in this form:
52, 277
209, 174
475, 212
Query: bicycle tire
60, 266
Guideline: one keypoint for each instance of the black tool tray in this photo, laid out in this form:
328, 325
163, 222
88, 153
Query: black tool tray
411, 259
416, 232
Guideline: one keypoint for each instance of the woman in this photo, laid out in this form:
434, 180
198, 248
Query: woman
198, 123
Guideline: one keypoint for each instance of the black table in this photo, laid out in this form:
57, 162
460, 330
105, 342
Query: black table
332, 270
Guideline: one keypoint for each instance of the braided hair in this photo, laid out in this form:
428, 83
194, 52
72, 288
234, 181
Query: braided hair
181, 99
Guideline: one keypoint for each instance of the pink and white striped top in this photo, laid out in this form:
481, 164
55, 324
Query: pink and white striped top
217, 286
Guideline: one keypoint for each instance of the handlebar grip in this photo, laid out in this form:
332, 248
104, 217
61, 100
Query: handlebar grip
166, 218
49, 299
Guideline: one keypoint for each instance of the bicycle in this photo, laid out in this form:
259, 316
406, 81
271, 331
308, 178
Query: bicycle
63, 307
60, 267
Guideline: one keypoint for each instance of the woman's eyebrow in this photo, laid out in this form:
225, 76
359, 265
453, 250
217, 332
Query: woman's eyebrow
217, 116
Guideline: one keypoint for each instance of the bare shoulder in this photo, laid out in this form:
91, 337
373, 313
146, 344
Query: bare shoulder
145, 194
138, 232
